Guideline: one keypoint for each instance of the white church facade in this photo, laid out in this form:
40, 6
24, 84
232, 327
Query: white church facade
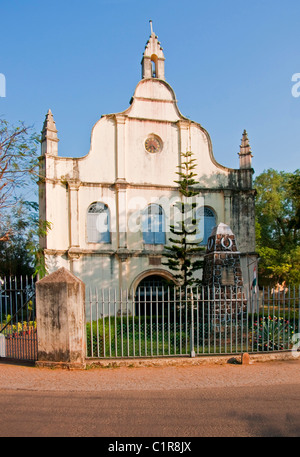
110, 210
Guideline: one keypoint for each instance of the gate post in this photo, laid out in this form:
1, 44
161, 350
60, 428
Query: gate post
60, 314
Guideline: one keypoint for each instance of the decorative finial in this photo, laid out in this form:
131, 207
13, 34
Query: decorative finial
245, 152
49, 135
151, 26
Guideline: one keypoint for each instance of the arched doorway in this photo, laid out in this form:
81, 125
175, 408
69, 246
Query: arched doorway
152, 296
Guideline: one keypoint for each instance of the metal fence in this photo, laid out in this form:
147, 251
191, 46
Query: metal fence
158, 322
18, 337
193, 322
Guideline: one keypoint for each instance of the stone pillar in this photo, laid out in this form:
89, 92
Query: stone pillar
227, 207
60, 308
222, 265
73, 187
121, 215
184, 139
222, 273
120, 148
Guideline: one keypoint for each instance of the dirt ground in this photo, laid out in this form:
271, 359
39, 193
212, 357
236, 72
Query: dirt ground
31, 378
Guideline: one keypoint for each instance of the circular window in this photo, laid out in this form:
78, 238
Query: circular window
153, 144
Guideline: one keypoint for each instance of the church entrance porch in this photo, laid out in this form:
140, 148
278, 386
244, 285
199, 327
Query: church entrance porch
152, 296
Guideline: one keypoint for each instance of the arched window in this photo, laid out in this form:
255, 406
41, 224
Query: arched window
153, 225
98, 223
206, 222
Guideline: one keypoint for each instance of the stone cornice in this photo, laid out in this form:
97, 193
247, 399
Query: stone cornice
126, 185
156, 100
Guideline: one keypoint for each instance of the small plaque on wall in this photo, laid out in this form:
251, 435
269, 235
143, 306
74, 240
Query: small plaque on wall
227, 276
154, 260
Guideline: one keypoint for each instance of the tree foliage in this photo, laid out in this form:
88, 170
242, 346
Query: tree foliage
181, 253
277, 226
20, 227
15, 256
20, 253
18, 162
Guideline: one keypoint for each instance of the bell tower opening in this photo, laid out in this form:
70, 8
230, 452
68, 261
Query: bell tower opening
154, 65
153, 62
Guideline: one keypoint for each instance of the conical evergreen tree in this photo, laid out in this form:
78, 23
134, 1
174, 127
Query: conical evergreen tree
184, 248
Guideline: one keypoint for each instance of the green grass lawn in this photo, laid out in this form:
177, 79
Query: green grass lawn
144, 337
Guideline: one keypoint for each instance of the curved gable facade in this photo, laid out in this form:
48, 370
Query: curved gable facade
132, 164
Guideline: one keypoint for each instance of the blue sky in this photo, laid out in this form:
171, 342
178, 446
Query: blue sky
230, 64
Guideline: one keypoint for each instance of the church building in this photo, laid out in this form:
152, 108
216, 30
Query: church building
110, 210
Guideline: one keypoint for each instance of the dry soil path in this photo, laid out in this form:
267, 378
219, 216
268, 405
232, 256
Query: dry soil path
14, 377
256, 400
